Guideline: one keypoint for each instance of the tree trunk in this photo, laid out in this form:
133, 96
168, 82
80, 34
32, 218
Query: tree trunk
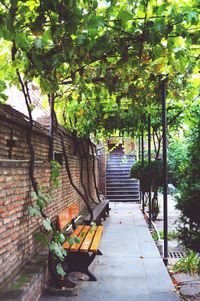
70, 177
94, 174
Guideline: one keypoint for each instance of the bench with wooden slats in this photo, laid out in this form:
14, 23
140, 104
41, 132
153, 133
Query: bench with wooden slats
67, 216
80, 255
100, 211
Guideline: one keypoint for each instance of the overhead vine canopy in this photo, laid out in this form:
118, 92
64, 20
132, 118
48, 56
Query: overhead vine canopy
103, 60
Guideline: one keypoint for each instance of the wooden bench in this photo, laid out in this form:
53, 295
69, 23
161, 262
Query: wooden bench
100, 211
80, 255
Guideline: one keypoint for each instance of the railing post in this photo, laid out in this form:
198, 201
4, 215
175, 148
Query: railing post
165, 209
149, 167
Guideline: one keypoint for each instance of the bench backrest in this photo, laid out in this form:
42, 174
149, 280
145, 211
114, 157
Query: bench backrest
67, 215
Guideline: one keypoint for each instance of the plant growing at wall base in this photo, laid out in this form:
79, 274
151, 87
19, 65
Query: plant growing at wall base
190, 264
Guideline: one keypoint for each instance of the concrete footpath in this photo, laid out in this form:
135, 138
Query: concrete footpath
131, 268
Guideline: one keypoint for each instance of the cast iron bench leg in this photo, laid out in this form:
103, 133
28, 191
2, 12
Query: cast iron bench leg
80, 262
90, 275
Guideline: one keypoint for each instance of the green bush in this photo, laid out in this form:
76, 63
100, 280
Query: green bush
142, 173
189, 200
177, 157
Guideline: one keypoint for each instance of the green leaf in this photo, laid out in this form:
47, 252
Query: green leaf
125, 16
41, 238
60, 270
22, 41
77, 240
34, 210
70, 240
193, 17
57, 183
47, 224
58, 250
61, 238
82, 234
38, 43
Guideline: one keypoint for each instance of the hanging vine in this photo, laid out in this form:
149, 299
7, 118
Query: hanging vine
70, 177
94, 171
86, 156
80, 152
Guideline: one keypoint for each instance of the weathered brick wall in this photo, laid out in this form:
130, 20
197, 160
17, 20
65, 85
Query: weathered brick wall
102, 169
17, 244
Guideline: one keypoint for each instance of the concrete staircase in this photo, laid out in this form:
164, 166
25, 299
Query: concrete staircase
119, 186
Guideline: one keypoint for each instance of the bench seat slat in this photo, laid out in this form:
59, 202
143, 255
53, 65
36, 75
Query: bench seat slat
76, 247
88, 240
66, 245
96, 240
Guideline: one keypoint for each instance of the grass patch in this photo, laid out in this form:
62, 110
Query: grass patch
171, 235
189, 264
21, 281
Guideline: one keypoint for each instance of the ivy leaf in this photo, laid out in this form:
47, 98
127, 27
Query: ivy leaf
77, 240
193, 17
3, 97
125, 16
60, 270
38, 43
58, 250
57, 183
49, 198
22, 41
47, 224
34, 210
70, 240
41, 238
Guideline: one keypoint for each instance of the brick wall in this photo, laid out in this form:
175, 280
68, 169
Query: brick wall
102, 169
17, 244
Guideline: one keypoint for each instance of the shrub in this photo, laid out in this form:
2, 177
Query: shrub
189, 200
142, 173
177, 156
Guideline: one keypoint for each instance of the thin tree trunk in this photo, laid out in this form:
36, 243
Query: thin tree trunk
51, 128
81, 173
86, 152
93, 171
25, 90
70, 177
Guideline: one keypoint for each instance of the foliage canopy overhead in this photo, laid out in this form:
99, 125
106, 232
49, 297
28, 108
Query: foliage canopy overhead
103, 60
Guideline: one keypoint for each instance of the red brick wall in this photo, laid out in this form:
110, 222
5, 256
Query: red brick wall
102, 169
17, 244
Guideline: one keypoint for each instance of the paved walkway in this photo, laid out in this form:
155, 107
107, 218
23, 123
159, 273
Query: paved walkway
131, 268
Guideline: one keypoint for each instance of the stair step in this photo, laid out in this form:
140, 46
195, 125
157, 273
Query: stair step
121, 190
111, 197
118, 170
119, 186
111, 168
125, 201
121, 182
125, 184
